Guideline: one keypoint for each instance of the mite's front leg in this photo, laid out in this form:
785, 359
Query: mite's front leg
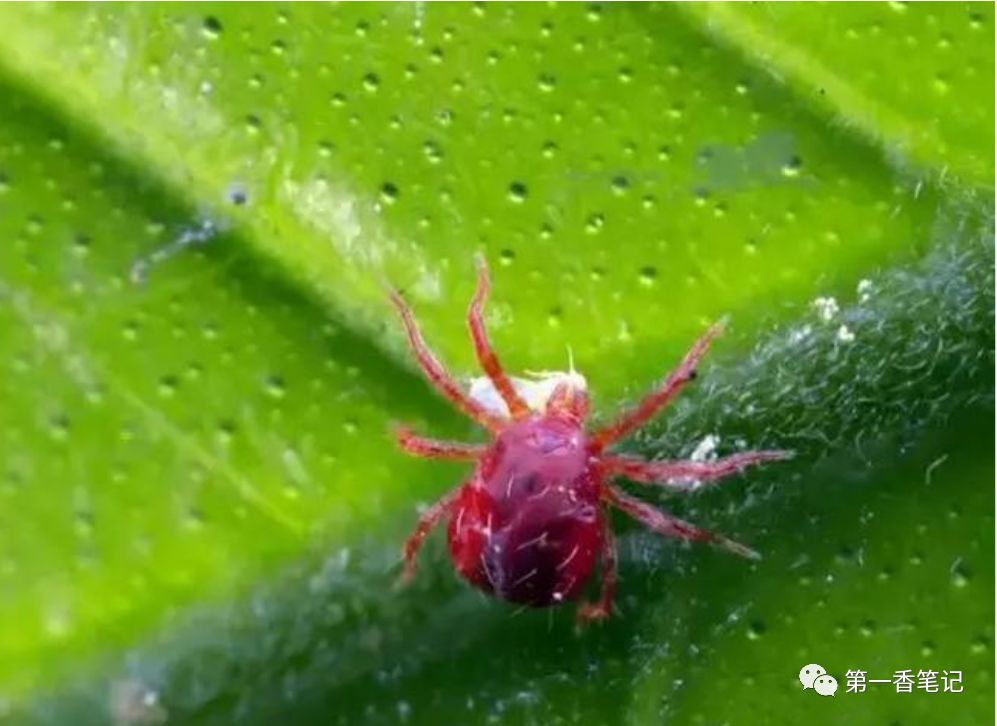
487, 358
436, 373
435, 449
687, 475
659, 397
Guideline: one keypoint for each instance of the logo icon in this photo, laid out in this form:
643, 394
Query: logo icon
826, 685
814, 676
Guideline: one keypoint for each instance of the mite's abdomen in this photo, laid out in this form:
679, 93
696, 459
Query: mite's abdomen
527, 528
540, 556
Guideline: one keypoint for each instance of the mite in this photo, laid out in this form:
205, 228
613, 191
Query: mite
531, 522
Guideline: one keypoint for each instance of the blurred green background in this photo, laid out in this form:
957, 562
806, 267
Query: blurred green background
200, 505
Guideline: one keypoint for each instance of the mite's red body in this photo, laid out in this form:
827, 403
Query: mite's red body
530, 524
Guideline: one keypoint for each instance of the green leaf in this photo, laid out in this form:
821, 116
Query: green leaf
918, 80
200, 510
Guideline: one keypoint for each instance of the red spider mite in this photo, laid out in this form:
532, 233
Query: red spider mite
530, 523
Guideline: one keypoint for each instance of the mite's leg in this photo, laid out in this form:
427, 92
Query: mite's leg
483, 349
435, 371
659, 397
670, 526
604, 607
433, 449
429, 519
687, 475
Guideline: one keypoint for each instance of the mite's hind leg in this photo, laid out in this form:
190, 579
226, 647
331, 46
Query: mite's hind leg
604, 607
429, 519
664, 523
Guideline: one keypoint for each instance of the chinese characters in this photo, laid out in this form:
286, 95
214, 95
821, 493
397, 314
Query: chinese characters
906, 681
